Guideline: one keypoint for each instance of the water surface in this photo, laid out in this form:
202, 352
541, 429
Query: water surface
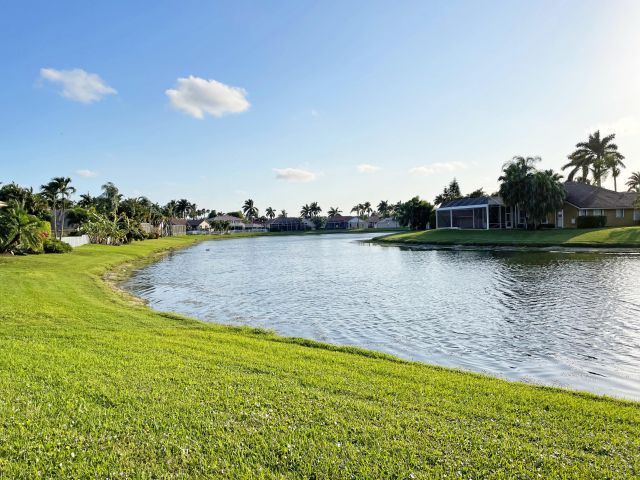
563, 319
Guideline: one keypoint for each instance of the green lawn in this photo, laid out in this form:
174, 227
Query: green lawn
95, 385
599, 237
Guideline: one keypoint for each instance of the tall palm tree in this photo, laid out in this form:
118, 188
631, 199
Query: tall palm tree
86, 200
357, 209
383, 208
49, 192
334, 212
315, 209
366, 208
270, 213
634, 182
182, 207
249, 209
112, 196
614, 164
65, 190
283, 213
596, 154
305, 211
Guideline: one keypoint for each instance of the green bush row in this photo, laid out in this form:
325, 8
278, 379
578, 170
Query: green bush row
596, 221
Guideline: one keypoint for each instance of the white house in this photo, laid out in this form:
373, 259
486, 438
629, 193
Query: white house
387, 223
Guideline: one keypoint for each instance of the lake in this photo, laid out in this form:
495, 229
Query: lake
554, 318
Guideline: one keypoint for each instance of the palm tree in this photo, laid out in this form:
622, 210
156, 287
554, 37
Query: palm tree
366, 208
596, 154
614, 164
315, 209
86, 200
111, 195
270, 212
250, 210
283, 213
19, 229
357, 209
64, 190
634, 182
515, 181
334, 212
383, 208
305, 211
49, 192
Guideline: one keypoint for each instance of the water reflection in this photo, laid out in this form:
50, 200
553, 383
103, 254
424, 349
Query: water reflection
566, 319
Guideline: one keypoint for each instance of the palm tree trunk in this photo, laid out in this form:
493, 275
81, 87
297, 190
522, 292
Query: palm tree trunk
615, 183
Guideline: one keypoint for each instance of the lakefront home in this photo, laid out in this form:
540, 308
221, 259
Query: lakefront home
198, 226
286, 224
619, 209
235, 223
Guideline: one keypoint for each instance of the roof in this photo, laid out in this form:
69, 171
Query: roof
283, 220
227, 218
197, 222
583, 195
473, 202
178, 221
339, 219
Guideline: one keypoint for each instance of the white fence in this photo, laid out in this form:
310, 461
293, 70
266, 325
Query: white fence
76, 241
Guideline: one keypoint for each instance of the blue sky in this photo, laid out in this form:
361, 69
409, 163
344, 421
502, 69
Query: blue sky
335, 102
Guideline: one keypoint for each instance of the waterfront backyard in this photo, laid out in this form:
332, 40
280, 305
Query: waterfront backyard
95, 384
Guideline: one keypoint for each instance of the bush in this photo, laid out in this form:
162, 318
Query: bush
52, 245
153, 235
596, 221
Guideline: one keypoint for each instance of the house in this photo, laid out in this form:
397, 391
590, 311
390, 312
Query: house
357, 222
235, 223
337, 222
581, 200
286, 224
177, 226
388, 223
373, 220
198, 226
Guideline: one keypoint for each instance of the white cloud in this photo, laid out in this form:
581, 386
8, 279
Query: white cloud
438, 167
78, 85
366, 168
87, 173
295, 175
198, 96
625, 126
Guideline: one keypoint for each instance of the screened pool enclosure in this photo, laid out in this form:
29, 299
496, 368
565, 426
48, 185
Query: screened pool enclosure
481, 213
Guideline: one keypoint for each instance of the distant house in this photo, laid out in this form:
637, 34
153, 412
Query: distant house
337, 222
177, 226
198, 226
387, 223
373, 220
255, 227
286, 224
235, 223
357, 222
581, 200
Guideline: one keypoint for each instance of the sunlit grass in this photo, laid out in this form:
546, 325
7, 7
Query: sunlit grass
609, 237
94, 385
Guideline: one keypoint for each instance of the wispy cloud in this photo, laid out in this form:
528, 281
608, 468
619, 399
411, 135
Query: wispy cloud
366, 168
78, 85
625, 126
438, 167
87, 173
197, 96
295, 175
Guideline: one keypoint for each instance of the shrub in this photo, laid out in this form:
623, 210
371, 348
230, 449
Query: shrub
52, 245
596, 221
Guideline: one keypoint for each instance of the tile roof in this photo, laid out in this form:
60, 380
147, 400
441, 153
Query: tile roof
583, 195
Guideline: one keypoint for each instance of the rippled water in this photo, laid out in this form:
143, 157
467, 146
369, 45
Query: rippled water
564, 319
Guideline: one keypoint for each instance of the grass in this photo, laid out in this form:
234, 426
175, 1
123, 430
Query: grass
627, 237
95, 385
